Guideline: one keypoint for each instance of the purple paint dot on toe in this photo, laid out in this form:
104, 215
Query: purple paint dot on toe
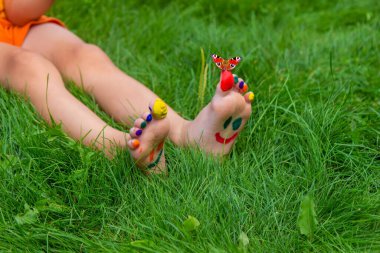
149, 117
139, 132
241, 84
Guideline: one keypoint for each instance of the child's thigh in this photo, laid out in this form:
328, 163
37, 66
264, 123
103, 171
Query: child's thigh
70, 54
20, 69
56, 43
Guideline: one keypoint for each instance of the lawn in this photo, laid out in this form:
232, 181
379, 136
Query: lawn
311, 147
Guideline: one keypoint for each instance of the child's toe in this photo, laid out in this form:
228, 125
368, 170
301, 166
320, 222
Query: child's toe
249, 97
240, 85
135, 132
158, 108
140, 123
133, 144
147, 116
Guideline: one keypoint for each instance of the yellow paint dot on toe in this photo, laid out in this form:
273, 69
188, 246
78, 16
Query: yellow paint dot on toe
159, 109
251, 96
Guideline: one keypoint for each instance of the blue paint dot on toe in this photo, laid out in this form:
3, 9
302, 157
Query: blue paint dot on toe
139, 132
241, 84
149, 117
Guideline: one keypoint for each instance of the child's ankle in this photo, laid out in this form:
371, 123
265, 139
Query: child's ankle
178, 132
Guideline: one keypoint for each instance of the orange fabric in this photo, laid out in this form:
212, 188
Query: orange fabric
15, 35
2, 11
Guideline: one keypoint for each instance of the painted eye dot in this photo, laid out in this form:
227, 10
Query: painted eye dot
232, 65
236, 124
228, 121
218, 63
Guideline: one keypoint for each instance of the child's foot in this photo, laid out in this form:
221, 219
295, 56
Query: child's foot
148, 136
217, 126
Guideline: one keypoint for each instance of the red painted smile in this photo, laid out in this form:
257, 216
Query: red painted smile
222, 140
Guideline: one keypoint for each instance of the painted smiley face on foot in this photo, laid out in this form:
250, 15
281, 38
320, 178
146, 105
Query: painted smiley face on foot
235, 126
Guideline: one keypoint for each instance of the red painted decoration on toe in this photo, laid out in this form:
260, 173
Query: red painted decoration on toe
222, 140
227, 80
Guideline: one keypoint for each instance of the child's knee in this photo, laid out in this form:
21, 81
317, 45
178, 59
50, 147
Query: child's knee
89, 55
22, 60
24, 68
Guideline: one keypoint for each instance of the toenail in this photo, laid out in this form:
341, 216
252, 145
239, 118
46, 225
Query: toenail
149, 117
236, 78
251, 96
139, 132
241, 84
227, 81
159, 109
135, 143
245, 88
143, 124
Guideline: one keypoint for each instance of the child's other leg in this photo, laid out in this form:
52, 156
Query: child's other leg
88, 66
35, 77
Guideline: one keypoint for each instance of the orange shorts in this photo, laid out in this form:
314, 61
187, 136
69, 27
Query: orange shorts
15, 35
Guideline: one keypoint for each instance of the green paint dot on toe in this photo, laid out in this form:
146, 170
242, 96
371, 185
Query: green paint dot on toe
236, 124
143, 124
236, 78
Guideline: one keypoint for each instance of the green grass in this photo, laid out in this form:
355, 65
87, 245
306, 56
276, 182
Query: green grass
315, 130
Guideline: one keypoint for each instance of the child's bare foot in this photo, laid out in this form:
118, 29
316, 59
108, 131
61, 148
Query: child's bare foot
148, 136
219, 123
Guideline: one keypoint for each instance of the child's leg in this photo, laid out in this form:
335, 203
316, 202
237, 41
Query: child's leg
88, 66
35, 77
122, 97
